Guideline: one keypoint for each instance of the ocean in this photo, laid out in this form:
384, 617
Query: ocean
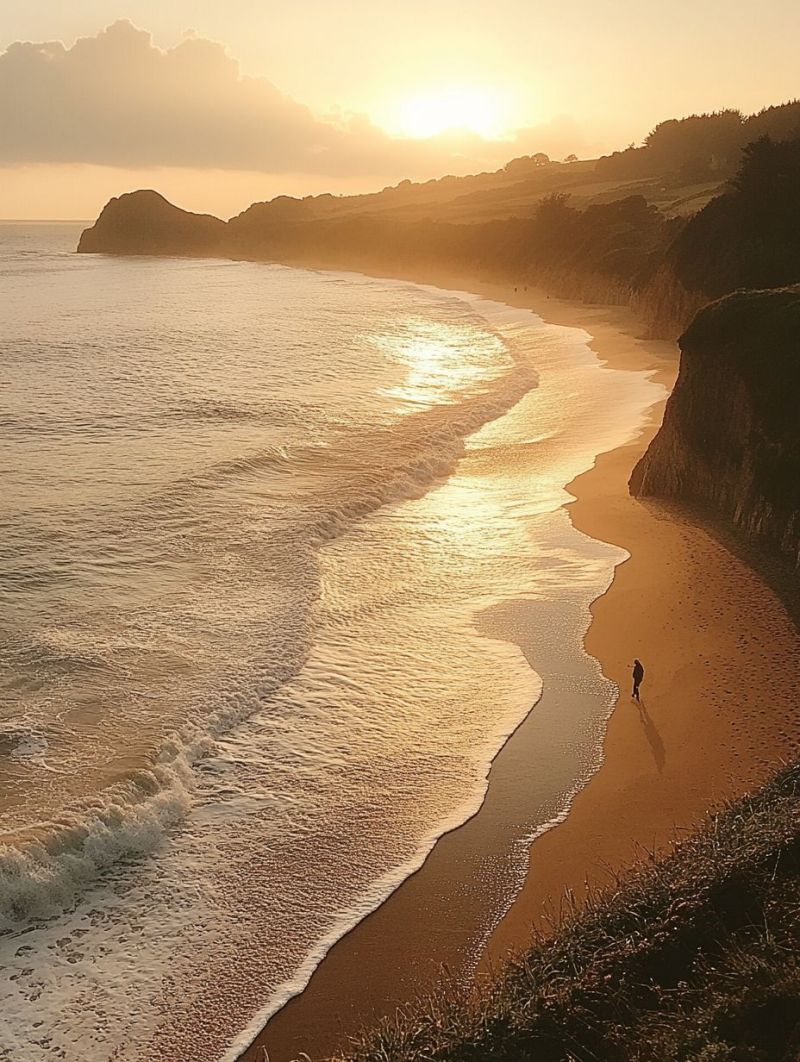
252, 518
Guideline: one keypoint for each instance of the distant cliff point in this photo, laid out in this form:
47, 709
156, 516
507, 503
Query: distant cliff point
145, 222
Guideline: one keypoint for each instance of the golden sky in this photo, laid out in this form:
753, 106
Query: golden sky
217, 104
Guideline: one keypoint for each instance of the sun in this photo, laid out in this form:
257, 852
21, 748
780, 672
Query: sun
476, 110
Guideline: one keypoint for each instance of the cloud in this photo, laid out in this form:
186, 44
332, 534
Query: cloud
118, 100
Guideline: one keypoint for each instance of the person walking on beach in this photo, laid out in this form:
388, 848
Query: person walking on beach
638, 675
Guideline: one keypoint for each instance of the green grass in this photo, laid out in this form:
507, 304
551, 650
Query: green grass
695, 956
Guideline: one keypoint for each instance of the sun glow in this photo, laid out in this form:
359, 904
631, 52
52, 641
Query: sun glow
475, 110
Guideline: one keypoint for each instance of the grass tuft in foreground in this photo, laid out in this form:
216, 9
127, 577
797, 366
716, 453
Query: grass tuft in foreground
695, 956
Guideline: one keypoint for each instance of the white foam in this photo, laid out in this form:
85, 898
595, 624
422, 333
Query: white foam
375, 896
37, 879
42, 877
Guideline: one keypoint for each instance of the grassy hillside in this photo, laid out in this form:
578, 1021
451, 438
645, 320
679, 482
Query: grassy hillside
512, 192
680, 166
693, 957
594, 253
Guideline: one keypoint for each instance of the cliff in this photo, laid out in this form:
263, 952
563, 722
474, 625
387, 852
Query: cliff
145, 222
730, 441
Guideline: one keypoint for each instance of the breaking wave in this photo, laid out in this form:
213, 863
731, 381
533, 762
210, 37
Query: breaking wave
44, 869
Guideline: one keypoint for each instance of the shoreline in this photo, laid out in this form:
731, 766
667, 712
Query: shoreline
319, 1005
641, 795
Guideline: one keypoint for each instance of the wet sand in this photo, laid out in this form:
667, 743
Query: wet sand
719, 710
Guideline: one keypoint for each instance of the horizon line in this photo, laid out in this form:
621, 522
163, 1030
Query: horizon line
46, 221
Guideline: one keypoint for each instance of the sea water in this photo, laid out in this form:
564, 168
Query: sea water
251, 519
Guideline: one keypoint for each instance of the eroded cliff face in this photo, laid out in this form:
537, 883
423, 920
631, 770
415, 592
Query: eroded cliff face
665, 304
730, 441
145, 222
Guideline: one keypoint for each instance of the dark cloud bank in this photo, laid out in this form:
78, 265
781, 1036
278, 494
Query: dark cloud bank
116, 99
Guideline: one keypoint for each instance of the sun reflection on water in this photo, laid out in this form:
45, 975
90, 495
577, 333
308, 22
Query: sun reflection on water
444, 361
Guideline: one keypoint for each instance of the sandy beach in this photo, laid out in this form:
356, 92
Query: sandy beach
719, 711
720, 701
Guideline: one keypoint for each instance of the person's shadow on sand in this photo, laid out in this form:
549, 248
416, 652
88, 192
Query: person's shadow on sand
653, 737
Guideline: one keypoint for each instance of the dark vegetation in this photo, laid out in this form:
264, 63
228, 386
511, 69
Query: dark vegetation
693, 957
617, 251
750, 236
702, 145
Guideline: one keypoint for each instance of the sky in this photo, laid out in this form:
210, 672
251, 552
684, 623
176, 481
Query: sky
219, 104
